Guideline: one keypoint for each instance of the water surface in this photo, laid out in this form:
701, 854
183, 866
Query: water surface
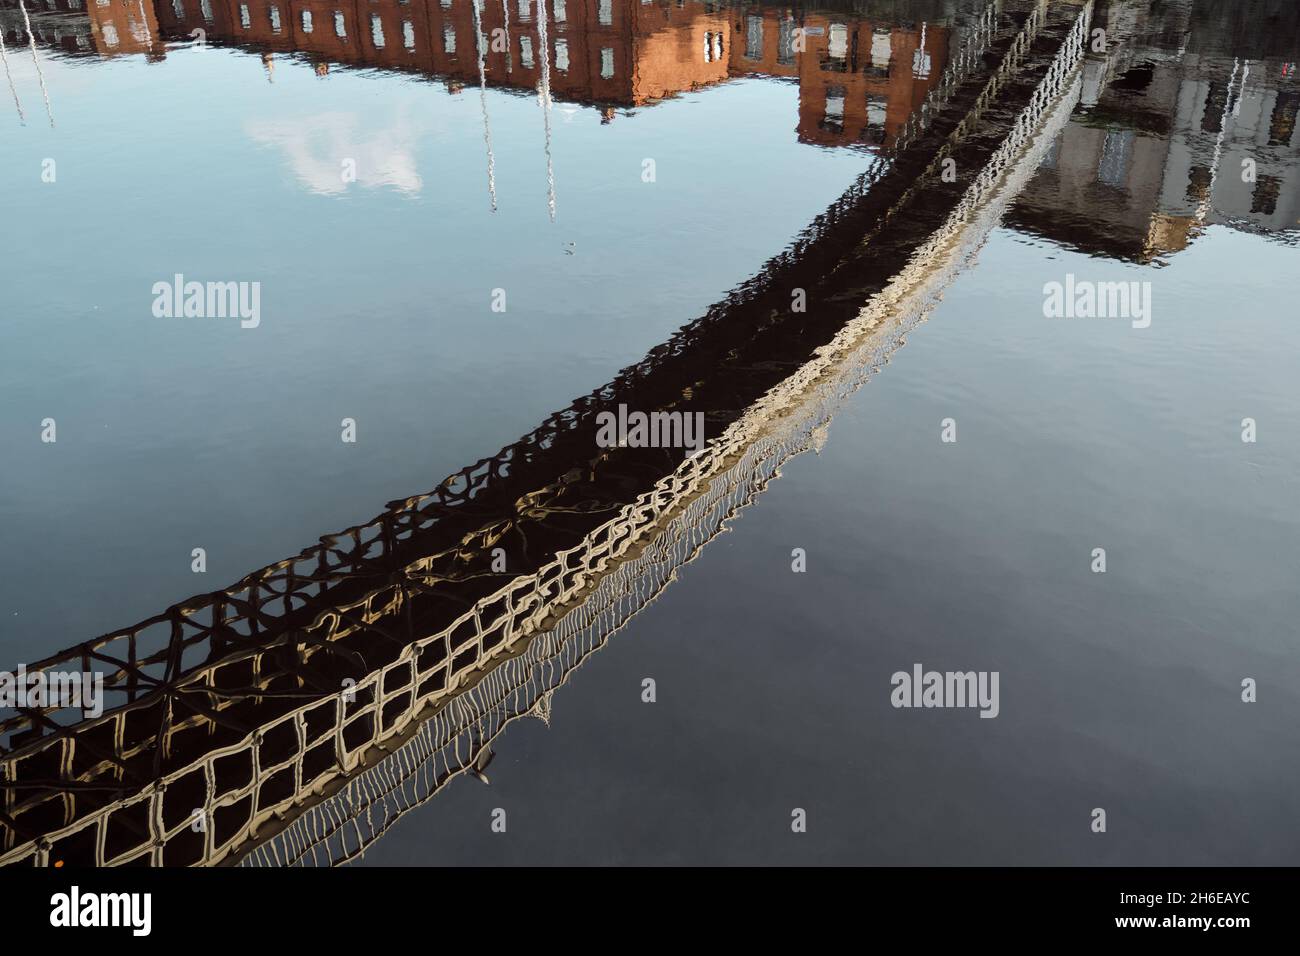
1119, 690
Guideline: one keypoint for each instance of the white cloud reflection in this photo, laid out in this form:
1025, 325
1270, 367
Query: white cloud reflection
315, 148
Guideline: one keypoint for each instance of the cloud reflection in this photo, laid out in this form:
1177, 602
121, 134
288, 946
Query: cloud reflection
316, 148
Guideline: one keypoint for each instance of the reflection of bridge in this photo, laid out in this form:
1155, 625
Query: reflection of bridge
859, 78
231, 703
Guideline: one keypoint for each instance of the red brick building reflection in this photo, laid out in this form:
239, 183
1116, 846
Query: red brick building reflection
858, 80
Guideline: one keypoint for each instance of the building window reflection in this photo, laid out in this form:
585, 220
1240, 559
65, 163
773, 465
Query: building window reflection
753, 38
838, 41
785, 41
921, 63
1216, 101
837, 49
562, 55
607, 62
833, 121
1281, 125
408, 34
340, 26
881, 53
1198, 183
712, 47
245, 20
877, 110
1116, 154
377, 31
1264, 198
306, 21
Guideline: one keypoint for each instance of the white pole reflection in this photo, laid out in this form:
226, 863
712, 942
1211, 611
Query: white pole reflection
544, 101
4, 55
40, 74
505, 13
1205, 204
144, 33
482, 95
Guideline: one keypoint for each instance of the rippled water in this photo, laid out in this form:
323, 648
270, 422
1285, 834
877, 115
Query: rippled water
228, 159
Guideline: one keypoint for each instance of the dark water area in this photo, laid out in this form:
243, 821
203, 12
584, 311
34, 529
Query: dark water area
453, 239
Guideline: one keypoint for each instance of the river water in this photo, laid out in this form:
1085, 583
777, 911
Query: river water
445, 263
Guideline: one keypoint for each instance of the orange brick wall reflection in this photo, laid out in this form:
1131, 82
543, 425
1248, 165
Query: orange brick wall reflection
858, 80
